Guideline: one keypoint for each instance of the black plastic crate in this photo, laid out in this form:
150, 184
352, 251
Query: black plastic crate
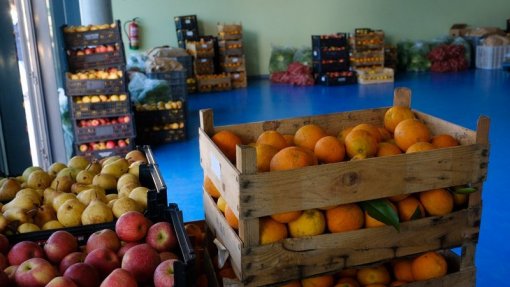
147, 119
187, 63
183, 35
327, 66
203, 66
332, 40
104, 152
161, 137
103, 132
110, 35
330, 53
95, 87
101, 109
96, 60
176, 82
186, 22
336, 79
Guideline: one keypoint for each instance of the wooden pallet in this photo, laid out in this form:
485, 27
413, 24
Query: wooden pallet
253, 195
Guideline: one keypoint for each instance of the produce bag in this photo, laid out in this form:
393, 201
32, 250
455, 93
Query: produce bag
448, 58
147, 91
303, 56
166, 52
158, 65
296, 74
412, 56
136, 61
280, 59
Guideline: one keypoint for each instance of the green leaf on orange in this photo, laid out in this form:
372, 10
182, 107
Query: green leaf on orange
382, 210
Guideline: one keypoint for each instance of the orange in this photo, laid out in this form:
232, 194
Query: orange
358, 157
402, 270
444, 140
410, 131
428, 266
210, 187
459, 199
437, 201
385, 134
386, 148
395, 115
407, 207
319, 281
272, 231
420, 146
348, 272
264, 155
397, 198
372, 222
231, 218
347, 282
360, 142
291, 158
373, 275
286, 217
343, 133
310, 223
329, 150
398, 283
272, 138
344, 217
373, 130
295, 283
308, 135
375, 285
290, 141
227, 142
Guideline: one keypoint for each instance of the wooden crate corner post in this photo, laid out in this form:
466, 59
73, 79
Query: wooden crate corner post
207, 121
402, 97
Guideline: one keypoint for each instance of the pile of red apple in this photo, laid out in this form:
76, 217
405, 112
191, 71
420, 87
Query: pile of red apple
102, 145
135, 254
94, 50
103, 121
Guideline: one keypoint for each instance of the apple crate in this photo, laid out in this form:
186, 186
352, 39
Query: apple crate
102, 153
328, 66
330, 53
187, 34
176, 82
78, 37
100, 109
95, 87
104, 132
162, 136
96, 60
231, 47
231, 64
159, 117
230, 31
214, 83
253, 195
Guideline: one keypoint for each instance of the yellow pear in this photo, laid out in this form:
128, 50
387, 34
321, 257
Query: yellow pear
23, 202
111, 196
87, 196
113, 169
105, 181
96, 212
139, 195
32, 193
78, 162
3, 223
111, 202
135, 155
28, 171
69, 213
39, 180
123, 163
126, 189
61, 199
84, 177
16, 213
123, 205
55, 168
127, 178
109, 160
62, 183
68, 171
44, 214
49, 194
134, 168
79, 187
94, 167
28, 227
9, 189
53, 224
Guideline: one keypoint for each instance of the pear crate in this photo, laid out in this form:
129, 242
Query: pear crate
95, 106
83, 86
253, 195
95, 57
92, 35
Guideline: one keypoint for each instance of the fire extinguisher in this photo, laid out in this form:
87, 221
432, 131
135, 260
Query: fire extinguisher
133, 33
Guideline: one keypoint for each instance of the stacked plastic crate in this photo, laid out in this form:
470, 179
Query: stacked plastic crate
330, 55
232, 59
96, 85
186, 28
367, 57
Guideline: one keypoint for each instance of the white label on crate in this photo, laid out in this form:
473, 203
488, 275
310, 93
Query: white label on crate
189, 33
235, 60
204, 46
236, 76
203, 60
323, 78
187, 21
315, 53
215, 166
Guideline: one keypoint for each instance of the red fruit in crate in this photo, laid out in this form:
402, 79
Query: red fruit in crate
125, 248
102, 122
120, 119
23, 251
89, 51
126, 119
121, 143
100, 49
3, 262
110, 144
119, 278
112, 70
83, 274
131, 226
104, 260
35, 272
60, 282
80, 53
4, 244
71, 259
94, 123
110, 48
96, 146
164, 274
105, 238
82, 123
161, 236
141, 261
114, 122
4, 279
59, 245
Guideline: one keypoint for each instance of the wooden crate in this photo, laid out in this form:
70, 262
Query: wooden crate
377, 75
253, 195
230, 31
231, 47
214, 83
239, 80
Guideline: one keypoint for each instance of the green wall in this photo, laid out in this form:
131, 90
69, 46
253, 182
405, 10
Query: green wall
291, 22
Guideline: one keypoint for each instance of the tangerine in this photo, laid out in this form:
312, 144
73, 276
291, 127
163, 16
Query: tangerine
329, 150
395, 115
407, 208
344, 217
437, 201
310, 223
343, 133
231, 218
403, 271
318, 281
444, 140
210, 188
289, 139
386, 149
360, 142
372, 222
409, 132
308, 135
373, 130
272, 231
420, 146
347, 282
286, 217
373, 275
428, 266
291, 158
227, 142
264, 155
272, 138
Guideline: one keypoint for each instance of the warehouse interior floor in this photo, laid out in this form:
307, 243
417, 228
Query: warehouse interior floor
456, 97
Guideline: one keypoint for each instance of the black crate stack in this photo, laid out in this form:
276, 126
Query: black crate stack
232, 59
186, 28
330, 55
96, 85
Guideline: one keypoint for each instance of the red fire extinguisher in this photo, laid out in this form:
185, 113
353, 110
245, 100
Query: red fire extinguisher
133, 33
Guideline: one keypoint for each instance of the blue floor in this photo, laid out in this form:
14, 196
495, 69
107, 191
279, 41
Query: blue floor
458, 97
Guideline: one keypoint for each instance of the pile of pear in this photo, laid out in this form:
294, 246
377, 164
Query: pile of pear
79, 193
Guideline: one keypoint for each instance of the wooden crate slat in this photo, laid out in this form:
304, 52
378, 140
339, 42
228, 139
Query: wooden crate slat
438, 126
463, 278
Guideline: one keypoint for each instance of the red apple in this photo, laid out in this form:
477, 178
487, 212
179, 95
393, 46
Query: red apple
89, 51
104, 260
70, 259
4, 279
11, 271
105, 238
59, 245
167, 255
121, 143
131, 226
83, 275
164, 274
94, 123
126, 119
80, 53
61, 282
110, 144
4, 244
110, 48
3, 262
114, 122
125, 248
35, 272
141, 261
161, 236
119, 278
102, 122
83, 148
23, 251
